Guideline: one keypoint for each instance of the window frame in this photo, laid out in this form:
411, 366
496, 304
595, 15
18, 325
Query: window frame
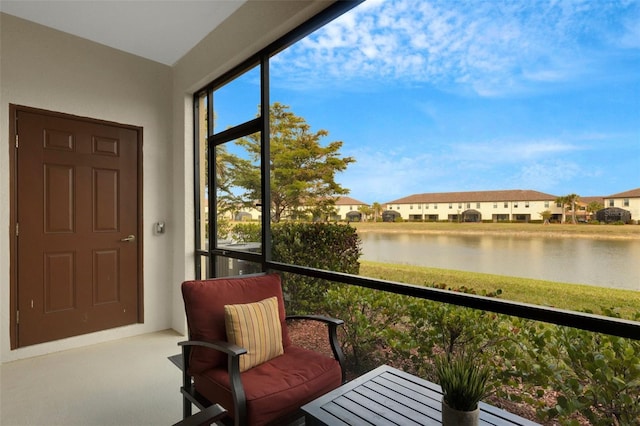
589, 322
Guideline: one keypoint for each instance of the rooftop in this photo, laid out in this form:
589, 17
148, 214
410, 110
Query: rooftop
346, 201
630, 193
476, 196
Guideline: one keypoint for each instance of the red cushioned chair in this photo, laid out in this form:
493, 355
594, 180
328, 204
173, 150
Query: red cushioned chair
267, 393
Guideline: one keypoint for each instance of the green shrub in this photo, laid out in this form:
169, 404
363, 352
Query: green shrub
597, 376
369, 318
590, 375
246, 232
329, 246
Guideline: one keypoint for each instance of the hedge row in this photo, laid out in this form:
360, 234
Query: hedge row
591, 376
327, 246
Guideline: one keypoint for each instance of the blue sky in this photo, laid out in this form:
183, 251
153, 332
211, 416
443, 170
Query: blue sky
435, 96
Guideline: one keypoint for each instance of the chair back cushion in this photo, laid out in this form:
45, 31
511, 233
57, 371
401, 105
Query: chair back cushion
255, 327
204, 302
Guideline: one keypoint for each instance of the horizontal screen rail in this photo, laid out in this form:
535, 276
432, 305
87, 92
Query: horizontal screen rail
580, 320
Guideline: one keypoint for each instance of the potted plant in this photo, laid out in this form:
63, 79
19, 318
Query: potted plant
463, 383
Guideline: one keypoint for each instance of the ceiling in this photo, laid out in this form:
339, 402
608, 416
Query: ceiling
160, 30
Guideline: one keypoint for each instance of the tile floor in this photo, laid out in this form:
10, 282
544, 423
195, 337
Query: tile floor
124, 382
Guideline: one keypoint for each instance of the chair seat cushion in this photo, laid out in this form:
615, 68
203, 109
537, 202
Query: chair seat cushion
277, 387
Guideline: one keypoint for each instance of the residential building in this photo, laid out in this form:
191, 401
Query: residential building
627, 200
348, 208
476, 206
582, 212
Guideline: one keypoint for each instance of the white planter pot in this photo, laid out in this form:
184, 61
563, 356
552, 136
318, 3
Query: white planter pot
451, 417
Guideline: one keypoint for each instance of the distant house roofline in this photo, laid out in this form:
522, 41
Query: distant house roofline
348, 201
476, 196
632, 193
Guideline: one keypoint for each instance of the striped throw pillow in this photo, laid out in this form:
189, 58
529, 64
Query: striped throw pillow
255, 327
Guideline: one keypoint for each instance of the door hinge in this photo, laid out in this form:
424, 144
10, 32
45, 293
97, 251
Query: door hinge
17, 229
17, 142
17, 317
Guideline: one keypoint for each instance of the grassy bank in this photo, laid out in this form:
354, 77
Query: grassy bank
547, 293
523, 229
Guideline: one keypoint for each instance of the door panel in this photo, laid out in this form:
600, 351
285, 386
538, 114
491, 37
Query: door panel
58, 198
105, 276
59, 282
105, 200
77, 198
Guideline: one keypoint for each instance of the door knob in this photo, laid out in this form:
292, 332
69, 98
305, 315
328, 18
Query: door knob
128, 239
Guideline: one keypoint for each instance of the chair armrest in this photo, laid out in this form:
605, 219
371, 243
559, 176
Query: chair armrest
321, 318
218, 345
233, 367
332, 327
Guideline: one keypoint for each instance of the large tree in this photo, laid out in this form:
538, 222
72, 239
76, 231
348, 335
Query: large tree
302, 169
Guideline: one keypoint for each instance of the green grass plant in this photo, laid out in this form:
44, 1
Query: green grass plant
463, 380
576, 297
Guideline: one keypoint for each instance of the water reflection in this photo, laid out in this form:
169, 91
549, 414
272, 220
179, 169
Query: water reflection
605, 263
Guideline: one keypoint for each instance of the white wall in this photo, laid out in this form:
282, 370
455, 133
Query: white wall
633, 207
47, 69
486, 209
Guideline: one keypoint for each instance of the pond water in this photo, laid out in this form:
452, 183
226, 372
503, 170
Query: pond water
605, 263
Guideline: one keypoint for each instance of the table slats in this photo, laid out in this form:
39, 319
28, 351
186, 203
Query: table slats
387, 396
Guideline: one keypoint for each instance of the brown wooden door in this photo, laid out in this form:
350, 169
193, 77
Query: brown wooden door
77, 226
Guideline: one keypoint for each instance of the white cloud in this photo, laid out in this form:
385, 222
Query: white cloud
630, 37
492, 48
541, 164
546, 175
383, 176
508, 152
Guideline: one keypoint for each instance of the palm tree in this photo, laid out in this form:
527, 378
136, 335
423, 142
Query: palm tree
562, 202
377, 210
572, 200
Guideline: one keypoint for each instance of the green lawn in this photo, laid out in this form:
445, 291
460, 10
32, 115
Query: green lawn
539, 292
